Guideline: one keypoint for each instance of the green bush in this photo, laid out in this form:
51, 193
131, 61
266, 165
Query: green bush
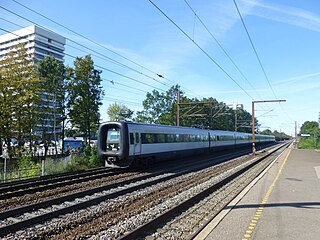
87, 159
28, 168
94, 160
307, 143
54, 166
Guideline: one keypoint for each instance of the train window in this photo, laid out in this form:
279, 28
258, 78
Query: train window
178, 138
113, 139
204, 138
192, 138
226, 137
146, 138
161, 138
155, 138
198, 138
137, 136
113, 135
186, 138
170, 138
149, 138
131, 139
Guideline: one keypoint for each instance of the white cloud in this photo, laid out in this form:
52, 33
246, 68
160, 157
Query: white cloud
285, 14
299, 84
297, 78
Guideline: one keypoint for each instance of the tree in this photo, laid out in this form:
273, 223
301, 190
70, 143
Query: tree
117, 112
266, 132
159, 108
85, 96
309, 127
52, 72
19, 96
244, 121
279, 135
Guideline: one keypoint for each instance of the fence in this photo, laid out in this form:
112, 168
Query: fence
41, 168
19, 174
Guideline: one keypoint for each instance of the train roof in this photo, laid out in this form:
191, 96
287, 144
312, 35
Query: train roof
180, 127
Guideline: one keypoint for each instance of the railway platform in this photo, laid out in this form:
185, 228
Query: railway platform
282, 203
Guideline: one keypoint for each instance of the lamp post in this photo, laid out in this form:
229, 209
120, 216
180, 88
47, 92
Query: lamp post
253, 127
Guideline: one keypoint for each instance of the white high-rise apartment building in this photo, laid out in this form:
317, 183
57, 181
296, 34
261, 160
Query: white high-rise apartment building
39, 43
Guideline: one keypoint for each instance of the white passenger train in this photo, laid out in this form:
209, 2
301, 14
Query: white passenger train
122, 143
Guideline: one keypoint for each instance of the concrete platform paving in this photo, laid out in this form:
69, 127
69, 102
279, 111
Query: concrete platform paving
283, 203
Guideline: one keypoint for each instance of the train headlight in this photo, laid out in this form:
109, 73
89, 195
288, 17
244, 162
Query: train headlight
112, 159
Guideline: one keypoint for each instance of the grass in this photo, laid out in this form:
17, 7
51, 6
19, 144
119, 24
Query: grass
28, 168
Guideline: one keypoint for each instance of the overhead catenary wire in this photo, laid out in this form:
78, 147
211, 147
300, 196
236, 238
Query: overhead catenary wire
112, 60
122, 101
257, 56
95, 65
111, 81
202, 50
120, 74
124, 85
109, 70
81, 35
106, 98
221, 47
254, 49
69, 45
104, 47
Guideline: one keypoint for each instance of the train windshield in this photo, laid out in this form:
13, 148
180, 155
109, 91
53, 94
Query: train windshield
113, 139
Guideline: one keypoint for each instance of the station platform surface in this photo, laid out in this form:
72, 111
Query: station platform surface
283, 203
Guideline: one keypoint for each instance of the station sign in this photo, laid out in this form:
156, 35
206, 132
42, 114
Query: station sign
305, 135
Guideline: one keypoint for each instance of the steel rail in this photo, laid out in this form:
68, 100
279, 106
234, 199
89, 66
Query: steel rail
47, 216
52, 183
169, 214
46, 177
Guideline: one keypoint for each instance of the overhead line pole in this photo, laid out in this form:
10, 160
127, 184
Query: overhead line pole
178, 107
253, 126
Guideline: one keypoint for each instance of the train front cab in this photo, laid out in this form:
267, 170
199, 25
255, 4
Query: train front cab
113, 145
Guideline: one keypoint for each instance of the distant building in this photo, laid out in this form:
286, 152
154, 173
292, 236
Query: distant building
235, 106
39, 43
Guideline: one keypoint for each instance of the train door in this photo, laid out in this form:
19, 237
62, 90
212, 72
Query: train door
137, 144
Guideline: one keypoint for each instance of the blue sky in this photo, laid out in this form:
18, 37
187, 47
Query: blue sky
285, 34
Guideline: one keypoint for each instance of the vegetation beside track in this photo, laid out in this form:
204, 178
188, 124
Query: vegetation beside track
312, 141
27, 167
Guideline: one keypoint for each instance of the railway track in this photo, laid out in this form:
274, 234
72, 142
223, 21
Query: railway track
47, 177
186, 219
73, 183
106, 206
45, 183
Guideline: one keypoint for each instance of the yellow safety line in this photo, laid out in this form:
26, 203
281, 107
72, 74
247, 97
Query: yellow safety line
259, 211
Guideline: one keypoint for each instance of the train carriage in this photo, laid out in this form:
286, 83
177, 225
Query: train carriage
122, 143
